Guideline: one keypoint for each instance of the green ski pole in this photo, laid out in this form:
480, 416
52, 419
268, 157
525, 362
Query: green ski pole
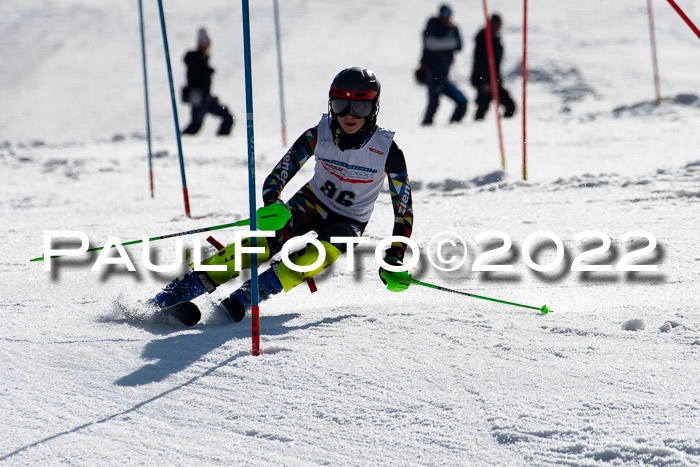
544, 309
272, 217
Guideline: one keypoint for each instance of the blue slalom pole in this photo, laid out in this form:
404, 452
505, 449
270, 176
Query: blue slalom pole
172, 99
280, 74
254, 310
145, 91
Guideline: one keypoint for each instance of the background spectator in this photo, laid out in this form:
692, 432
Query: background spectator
481, 77
441, 39
197, 92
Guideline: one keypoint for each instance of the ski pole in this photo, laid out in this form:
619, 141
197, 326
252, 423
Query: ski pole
169, 67
272, 217
544, 309
145, 92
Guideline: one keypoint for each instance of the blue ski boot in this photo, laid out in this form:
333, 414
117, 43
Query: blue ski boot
240, 301
189, 287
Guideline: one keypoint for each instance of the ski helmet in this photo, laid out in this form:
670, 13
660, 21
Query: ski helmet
356, 84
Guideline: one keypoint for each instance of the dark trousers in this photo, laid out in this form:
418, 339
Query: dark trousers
437, 86
483, 100
203, 104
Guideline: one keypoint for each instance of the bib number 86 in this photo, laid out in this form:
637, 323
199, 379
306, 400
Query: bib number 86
344, 197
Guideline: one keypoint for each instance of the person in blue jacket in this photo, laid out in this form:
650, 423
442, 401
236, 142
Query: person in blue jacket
441, 39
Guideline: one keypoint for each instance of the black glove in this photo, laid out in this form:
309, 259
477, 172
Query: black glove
421, 74
272, 200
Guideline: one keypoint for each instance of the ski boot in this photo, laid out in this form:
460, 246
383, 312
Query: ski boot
197, 283
189, 287
239, 302
279, 277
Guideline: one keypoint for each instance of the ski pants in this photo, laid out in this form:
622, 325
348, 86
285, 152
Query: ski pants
439, 84
483, 100
203, 104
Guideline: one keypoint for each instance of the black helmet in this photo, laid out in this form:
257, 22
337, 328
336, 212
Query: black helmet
357, 84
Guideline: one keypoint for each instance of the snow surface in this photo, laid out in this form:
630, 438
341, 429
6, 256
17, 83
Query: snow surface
354, 374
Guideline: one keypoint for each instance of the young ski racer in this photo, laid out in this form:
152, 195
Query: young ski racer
353, 158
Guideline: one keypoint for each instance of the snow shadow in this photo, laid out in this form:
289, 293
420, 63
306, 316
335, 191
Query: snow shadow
126, 411
175, 353
566, 82
172, 355
645, 108
450, 184
275, 325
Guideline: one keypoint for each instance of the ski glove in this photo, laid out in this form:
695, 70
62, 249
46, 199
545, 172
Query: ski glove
394, 281
273, 216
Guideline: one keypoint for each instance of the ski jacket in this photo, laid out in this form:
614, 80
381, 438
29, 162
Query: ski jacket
198, 71
480, 70
440, 42
349, 182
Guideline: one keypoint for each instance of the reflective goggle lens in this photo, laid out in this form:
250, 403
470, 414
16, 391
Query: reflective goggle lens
358, 109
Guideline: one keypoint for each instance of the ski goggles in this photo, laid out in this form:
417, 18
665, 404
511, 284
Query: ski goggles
358, 109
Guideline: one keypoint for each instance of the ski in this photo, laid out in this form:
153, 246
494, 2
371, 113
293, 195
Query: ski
186, 313
233, 309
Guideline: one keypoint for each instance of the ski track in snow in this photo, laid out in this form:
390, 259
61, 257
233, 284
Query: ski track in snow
353, 374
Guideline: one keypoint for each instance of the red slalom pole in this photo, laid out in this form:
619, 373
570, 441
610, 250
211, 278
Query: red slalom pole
524, 89
255, 329
685, 18
494, 83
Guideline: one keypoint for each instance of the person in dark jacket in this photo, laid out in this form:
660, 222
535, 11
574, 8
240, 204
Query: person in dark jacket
441, 39
481, 76
197, 92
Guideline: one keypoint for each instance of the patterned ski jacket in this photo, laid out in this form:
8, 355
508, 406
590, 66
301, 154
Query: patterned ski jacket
348, 181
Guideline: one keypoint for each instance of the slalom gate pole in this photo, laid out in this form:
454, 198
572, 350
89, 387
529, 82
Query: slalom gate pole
685, 18
524, 89
145, 91
543, 309
254, 309
172, 99
280, 74
494, 82
654, 61
271, 217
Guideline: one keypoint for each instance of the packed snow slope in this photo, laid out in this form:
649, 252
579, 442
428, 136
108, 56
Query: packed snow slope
355, 374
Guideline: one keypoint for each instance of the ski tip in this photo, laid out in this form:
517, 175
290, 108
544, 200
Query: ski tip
233, 308
190, 315
187, 313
